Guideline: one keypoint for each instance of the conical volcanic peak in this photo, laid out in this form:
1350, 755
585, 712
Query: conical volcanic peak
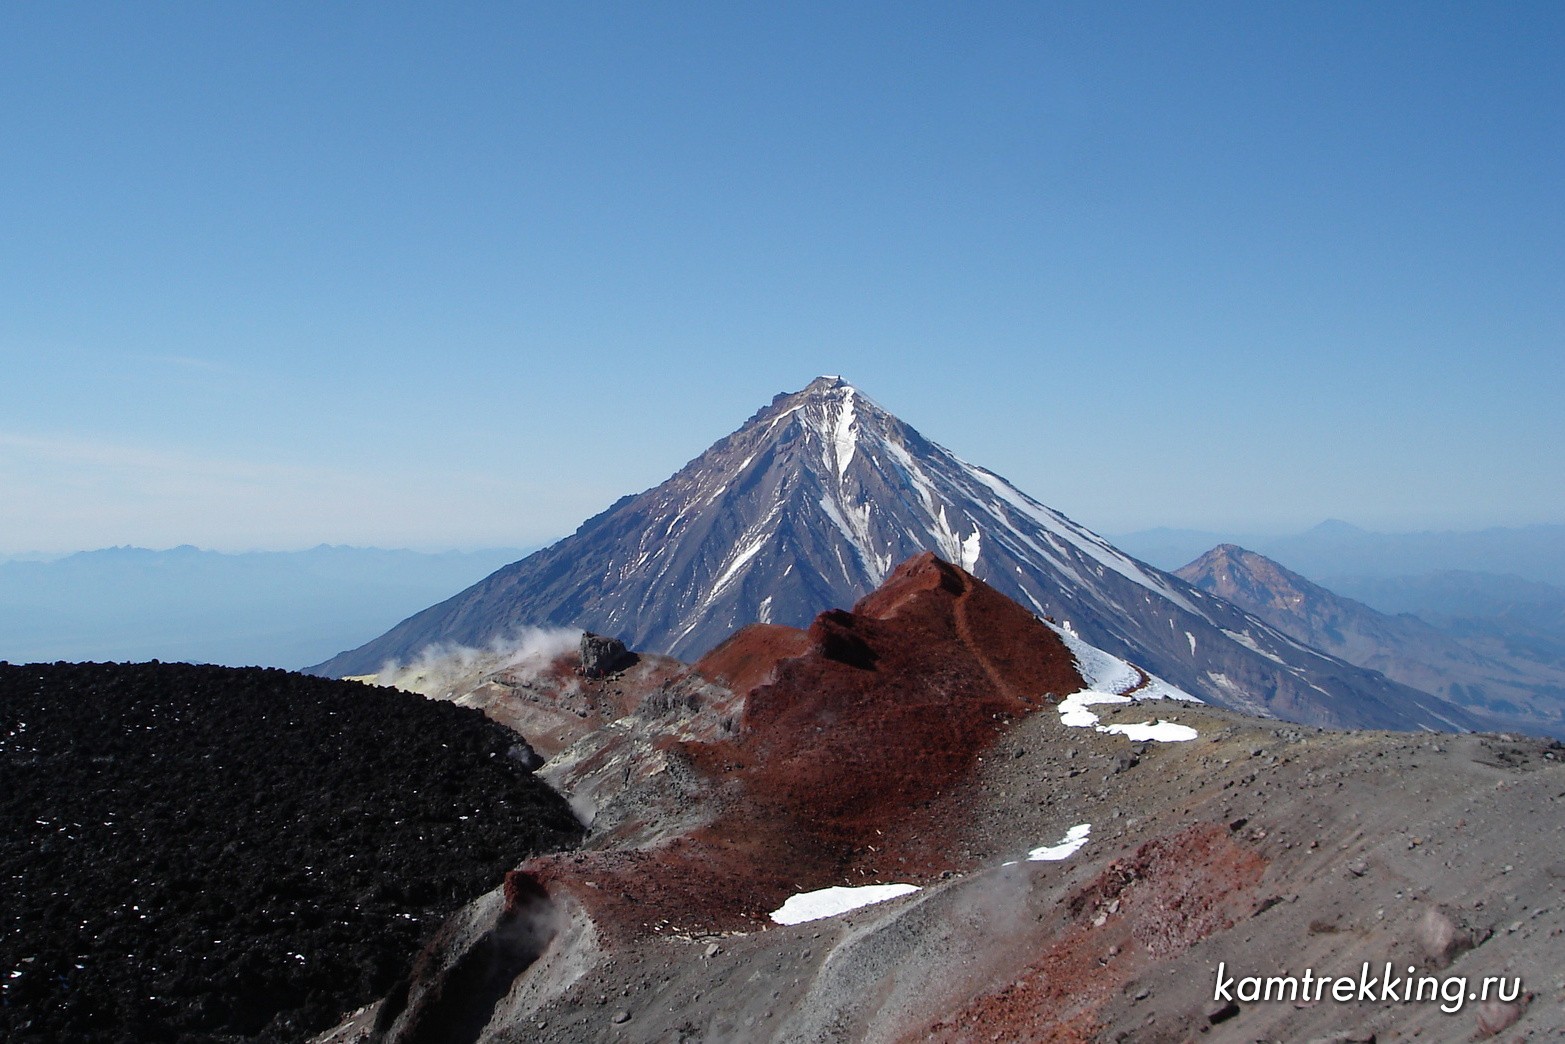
811, 501
1248, 579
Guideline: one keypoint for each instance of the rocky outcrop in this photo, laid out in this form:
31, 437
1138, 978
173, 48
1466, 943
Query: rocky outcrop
602, 655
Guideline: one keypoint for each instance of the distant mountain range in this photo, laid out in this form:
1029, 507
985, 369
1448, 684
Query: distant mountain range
1506, 614
1339, 549
1499, 590
270, 608
810, 503
1513, 690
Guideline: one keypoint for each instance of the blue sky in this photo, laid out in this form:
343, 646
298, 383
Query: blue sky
455, 275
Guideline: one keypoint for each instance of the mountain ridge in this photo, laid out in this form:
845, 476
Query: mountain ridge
1511, 692
1334, 548
812, 500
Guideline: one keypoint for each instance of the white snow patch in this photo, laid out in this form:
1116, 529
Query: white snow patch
1035, 603
1159, 731
1073, 708
1105, 673
789, 412
763, 612
970, 549
1066, 847
829, 902
1192, 640
759, 536
1108, 680
844, 436
951, 546
749, 552
1098, 669
1075, 715
915, 475
853, 524
946, 541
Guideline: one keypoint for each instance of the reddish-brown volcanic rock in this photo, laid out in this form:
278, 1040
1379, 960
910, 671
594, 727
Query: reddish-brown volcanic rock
895, 700
1174, 891
844, 764
747, 659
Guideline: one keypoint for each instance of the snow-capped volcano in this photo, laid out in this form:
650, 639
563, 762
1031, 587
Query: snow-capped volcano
813, 501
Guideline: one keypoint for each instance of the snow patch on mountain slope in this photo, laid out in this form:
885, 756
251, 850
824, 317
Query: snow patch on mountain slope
1073, 708
760, 535
853, 524
1105, 673
840, 899
1074, 714
1064, 848
922, 485
971, 547
844, 435
1110, 680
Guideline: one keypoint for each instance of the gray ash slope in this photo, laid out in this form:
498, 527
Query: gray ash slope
813, 501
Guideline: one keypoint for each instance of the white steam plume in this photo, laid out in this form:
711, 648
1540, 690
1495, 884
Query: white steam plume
444, 669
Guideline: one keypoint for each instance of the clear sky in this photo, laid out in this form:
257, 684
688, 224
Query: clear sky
454, 275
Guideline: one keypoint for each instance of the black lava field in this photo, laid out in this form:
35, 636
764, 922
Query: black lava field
219, 854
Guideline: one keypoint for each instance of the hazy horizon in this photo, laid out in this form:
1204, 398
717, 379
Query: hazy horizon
1214, 529
435, 547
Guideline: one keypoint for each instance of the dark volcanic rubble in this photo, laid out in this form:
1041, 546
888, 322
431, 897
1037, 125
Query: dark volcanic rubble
206, 853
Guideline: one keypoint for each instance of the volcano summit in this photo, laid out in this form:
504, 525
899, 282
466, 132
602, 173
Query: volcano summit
813, 500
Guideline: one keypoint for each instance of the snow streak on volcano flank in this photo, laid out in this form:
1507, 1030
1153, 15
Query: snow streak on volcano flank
810, 504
